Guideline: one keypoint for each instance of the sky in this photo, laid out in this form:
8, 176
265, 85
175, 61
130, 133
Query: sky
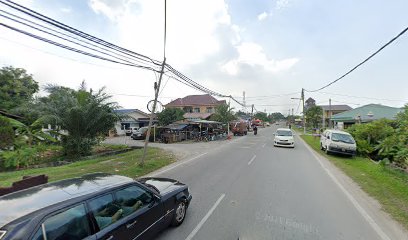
268, 49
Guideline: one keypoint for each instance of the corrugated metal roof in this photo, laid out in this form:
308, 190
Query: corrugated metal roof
336, 107
367, 113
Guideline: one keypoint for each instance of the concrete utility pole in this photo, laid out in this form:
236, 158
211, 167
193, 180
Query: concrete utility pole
156, 95
156, 87
304, 117
330, 114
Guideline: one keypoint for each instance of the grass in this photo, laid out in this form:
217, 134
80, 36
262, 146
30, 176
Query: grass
123, 164
388, 185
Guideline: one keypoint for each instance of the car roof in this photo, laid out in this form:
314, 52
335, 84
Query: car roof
337, 131
24, 202
283, 129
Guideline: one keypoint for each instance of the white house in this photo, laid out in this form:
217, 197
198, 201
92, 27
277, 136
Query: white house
133, 118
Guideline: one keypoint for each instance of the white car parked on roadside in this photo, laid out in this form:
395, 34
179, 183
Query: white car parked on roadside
284, 138
338, 142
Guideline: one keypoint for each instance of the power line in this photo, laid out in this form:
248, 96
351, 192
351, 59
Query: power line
371, 98
77, 32
177, 75
71, 48
67, 35
63, 38
361, 63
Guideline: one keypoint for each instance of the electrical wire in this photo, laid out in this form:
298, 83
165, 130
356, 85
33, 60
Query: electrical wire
361, 63
69, 36
68, 40
77, 32
71, 48
371, 98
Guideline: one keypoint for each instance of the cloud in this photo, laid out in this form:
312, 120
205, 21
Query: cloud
66, 10
262, 16
253, 55
282, 4
111, 9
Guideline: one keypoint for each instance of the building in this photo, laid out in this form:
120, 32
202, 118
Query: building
364, 114
196, 104
131, 118
330, 110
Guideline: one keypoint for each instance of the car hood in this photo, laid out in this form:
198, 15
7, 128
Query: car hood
284, 138
163, 185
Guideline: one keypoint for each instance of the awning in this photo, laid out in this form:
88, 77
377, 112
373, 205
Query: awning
176, 126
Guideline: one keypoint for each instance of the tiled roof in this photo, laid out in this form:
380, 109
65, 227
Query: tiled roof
336, 107
368, 113
197, 115
195, 100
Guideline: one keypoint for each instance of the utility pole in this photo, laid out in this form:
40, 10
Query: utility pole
304, 117
156, 95
330, 114
156, 88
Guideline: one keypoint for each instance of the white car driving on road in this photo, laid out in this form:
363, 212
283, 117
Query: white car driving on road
284, 138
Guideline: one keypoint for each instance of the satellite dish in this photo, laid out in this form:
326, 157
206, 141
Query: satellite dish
159, 106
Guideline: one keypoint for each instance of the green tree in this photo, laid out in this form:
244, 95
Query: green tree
86, 116
6, 133
16, 87
314, 116
276, 116
262, 116
223, 113
170, 115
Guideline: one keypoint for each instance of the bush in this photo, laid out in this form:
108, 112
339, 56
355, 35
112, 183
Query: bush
6, 133
19, 158
76, 147
369, 135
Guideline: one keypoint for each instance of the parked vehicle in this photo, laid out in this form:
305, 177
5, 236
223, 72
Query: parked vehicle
131, 130
239, 128
335, 141
140, 133
94, 206
284, 138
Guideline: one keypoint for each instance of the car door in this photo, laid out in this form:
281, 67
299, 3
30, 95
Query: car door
142, 211
108, 218
70, 223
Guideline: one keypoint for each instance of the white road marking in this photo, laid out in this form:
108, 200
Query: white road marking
205, 218
264, 145
176, 165
245, 147
252, 159
359, 208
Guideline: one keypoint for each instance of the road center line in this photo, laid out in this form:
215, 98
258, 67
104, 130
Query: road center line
359, 208
176, 165
252, 159
205, 218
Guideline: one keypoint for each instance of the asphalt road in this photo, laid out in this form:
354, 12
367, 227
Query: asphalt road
249, 189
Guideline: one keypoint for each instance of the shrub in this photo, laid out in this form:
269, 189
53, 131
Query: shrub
6, 133
19, 158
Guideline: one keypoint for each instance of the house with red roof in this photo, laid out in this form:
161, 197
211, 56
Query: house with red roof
196, 106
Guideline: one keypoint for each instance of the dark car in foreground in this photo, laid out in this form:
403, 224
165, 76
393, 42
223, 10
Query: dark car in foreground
94, 206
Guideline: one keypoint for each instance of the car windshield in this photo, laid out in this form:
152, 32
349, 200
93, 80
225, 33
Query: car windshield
340, 137
283, 133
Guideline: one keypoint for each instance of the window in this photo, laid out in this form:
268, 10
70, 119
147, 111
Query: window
196, 110
210, 110
105, 210
70, 224
133, 198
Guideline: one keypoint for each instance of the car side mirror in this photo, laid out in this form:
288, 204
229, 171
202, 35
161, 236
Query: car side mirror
274, 134
328, 137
